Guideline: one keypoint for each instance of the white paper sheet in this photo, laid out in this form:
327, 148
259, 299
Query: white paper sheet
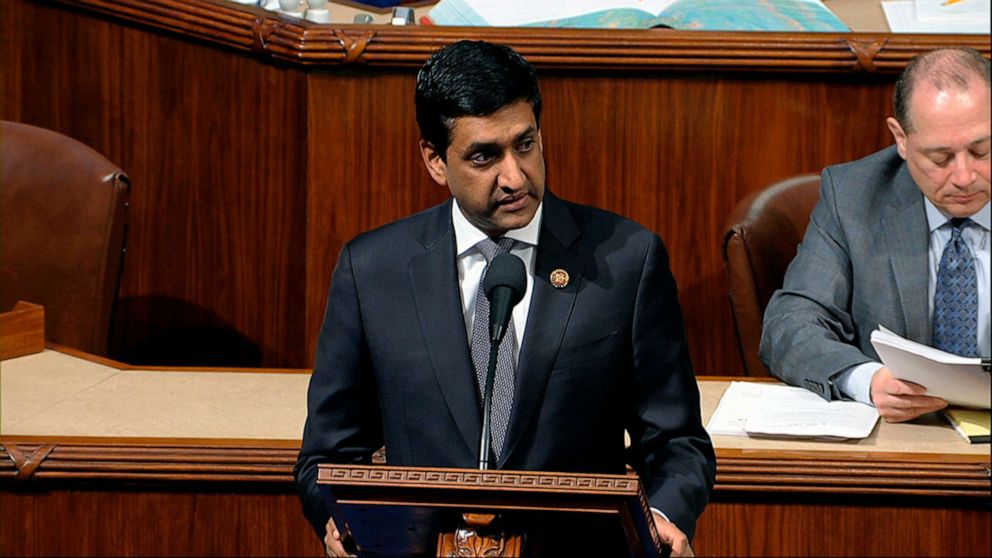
959, 380
735, 406
784, 411
951, 9
756, 409
902, 19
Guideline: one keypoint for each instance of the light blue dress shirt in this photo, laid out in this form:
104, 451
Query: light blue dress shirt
855, 382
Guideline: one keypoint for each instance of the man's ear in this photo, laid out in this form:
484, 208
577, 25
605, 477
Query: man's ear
436, 166
898, 134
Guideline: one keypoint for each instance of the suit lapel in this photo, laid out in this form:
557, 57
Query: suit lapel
547, 317
904, 226
434, 278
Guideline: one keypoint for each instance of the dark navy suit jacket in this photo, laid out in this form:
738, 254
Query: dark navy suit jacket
606, 353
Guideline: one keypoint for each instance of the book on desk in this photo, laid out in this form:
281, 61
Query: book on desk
702, 15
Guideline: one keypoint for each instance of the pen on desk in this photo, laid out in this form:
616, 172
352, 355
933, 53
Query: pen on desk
950, 2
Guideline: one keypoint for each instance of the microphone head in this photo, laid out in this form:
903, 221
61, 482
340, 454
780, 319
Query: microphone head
506, 270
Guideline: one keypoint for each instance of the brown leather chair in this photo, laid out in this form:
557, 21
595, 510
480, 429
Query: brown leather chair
62, 233
763, 234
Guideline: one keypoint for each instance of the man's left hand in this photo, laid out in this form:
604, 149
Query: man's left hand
672, 535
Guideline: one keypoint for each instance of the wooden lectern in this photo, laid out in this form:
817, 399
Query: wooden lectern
408, 511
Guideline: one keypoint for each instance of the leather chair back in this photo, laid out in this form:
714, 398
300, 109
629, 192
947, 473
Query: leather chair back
761, 239
63, 211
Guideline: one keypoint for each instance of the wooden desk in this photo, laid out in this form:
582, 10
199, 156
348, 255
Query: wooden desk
102, 458
257, 145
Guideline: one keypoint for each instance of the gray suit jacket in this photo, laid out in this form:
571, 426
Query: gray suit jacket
862, 263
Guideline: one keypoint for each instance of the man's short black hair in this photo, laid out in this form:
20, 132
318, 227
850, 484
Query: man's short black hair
471, 78
945, 68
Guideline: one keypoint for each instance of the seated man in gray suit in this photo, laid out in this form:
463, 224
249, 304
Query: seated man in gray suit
595, 347
898, 239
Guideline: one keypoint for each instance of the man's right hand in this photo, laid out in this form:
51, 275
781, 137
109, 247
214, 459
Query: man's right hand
334, 541
898, 400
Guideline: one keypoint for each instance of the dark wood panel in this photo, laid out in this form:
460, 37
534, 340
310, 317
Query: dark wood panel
48, 55
218, 265
250, 174
154, 521
676, 153
215, 146
847, 526
673, 152
144, 521
142, 497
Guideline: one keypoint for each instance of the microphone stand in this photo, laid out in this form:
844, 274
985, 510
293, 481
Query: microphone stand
487, 403
485, 531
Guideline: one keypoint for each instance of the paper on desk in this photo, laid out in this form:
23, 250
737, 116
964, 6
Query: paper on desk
749, 408
793, 412
959, 380
735, 406
951, 9
901, 17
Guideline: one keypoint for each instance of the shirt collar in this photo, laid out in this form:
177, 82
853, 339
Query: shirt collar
937, 219
467, 235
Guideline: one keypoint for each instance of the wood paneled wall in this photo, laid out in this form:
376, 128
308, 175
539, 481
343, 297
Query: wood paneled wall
187, 521
673, 152
214, 143
145, 521
250, 170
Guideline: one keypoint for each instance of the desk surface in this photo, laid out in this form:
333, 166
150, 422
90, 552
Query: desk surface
207, 456
55, 394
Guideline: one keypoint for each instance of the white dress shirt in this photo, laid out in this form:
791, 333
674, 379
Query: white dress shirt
471, 263
856, 381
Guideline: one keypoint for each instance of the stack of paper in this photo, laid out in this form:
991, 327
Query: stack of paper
958, 380
770, 410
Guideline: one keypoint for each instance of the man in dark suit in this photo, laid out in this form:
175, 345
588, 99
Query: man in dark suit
880, 242
601, 342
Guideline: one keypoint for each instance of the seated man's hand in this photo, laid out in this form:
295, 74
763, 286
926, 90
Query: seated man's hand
898, 400
334, 541
672, 536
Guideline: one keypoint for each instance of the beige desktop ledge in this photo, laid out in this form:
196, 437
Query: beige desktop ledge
55, 394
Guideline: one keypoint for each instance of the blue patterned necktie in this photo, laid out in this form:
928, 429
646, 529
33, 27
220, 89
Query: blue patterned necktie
505, 361
955, 302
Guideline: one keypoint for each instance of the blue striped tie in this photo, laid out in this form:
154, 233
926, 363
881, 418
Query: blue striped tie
955, 302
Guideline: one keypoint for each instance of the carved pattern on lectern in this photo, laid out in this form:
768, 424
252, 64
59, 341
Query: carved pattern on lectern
469, 542
646, 510
500, 479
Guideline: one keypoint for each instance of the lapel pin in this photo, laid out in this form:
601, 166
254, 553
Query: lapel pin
559, 278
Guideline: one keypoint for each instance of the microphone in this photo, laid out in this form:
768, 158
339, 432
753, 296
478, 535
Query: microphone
504, 286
